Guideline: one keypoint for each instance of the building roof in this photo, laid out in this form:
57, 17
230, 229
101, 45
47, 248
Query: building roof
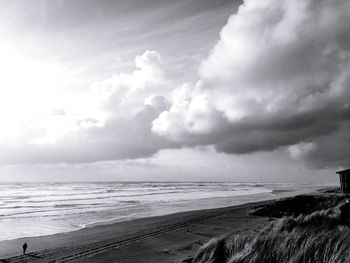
346, 171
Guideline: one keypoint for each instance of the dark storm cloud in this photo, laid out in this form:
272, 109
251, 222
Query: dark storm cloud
278, 77
327, 151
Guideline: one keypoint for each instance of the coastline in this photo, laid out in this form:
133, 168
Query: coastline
70, 207
165, 238
69, 243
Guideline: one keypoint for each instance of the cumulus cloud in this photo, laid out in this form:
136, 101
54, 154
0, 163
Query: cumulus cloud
124, 94
111, 121
279, 76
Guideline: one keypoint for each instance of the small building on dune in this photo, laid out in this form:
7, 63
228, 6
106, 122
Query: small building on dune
344, 177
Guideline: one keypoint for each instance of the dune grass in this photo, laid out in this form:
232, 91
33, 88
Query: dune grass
300, 205
321, 236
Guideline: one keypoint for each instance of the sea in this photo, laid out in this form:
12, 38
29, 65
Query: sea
37, 209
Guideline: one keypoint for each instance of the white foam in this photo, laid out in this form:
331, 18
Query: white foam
42, 209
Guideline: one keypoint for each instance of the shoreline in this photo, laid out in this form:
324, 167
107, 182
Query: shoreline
219, 202
99, 239
118, 232
165, 212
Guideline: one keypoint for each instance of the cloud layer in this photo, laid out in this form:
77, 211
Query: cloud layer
279, 76
111, 121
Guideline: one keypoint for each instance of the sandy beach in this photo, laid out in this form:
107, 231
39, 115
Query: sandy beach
189, 131
170, 238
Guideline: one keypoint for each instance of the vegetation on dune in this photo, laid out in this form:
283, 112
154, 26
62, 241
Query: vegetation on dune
322, 236
300, 205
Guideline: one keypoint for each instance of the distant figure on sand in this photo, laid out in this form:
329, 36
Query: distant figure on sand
24, 248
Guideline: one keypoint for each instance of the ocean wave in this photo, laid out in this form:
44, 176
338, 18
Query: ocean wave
67, 206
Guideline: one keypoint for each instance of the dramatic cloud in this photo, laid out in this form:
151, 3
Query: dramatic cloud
111, 121
326, 151
279, 76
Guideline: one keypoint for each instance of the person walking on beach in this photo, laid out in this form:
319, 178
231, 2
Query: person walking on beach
24, 248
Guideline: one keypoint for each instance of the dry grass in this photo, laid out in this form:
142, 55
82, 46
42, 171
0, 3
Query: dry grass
322, 236
300, 205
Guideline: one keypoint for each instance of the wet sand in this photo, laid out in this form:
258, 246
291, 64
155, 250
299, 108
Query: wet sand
169, 238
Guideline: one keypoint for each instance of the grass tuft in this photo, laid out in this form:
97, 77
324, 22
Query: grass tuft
322, 236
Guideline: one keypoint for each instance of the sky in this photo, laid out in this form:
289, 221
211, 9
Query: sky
188, 90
